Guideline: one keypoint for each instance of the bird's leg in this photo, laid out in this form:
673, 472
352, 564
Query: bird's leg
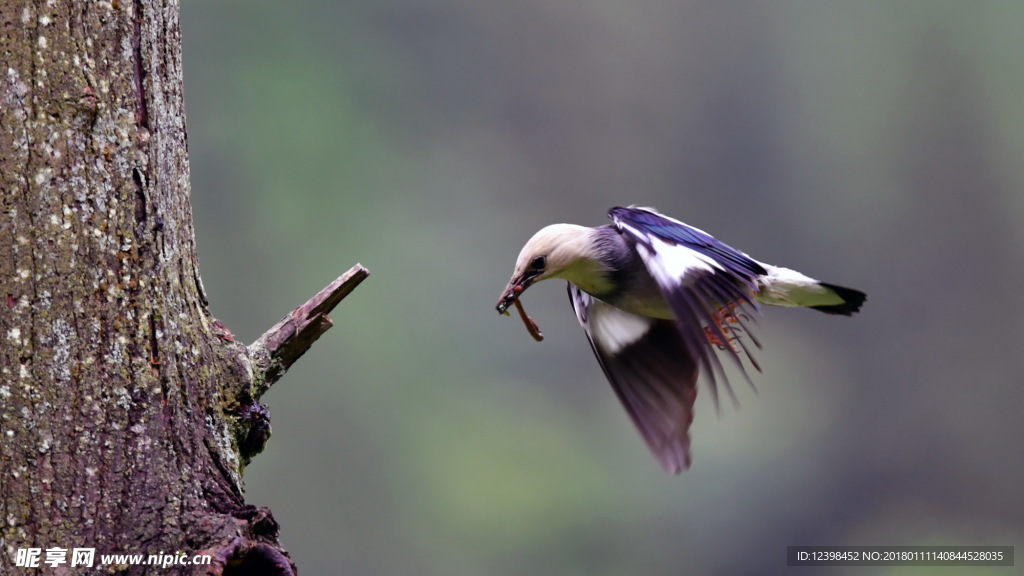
722, 318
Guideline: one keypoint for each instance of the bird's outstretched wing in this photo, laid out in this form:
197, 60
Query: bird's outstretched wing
707, 284
651, 369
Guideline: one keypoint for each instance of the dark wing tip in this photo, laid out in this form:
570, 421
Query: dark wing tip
656, 381
852, 301
675, 459
615, 210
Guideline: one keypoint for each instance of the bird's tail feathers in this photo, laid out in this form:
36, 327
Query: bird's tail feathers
785, 287
852, 300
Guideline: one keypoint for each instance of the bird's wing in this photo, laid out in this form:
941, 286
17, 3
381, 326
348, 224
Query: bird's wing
703, 281
651, 370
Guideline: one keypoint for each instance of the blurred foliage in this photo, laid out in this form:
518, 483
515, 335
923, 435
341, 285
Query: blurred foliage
874, 144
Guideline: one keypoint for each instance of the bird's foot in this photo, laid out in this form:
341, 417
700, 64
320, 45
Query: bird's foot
723, 318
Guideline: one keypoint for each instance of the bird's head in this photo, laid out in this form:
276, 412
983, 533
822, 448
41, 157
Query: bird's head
554, 252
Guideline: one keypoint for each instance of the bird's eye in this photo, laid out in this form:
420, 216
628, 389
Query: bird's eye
538, 263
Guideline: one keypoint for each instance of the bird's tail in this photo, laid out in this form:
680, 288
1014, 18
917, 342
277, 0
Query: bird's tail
785, 287
851, 300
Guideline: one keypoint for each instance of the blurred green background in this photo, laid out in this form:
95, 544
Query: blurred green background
875, 144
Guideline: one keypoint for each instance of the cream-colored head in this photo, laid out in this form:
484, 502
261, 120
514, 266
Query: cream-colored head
556, 251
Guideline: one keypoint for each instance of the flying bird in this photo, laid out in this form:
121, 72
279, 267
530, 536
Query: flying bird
656, 298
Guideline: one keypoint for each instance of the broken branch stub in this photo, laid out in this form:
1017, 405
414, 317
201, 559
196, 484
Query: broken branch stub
278, 348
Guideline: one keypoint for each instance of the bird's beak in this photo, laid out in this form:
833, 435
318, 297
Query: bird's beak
515, 287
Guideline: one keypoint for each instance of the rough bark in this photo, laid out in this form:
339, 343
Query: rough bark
127, 413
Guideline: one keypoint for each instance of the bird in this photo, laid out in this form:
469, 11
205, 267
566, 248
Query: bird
656, 298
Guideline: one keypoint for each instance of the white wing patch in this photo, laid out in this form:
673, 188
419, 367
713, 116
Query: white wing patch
672, 262
613, 329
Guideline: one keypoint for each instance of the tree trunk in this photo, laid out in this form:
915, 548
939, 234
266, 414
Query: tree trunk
127, 412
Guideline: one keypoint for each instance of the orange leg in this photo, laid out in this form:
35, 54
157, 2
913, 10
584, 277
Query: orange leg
722, 318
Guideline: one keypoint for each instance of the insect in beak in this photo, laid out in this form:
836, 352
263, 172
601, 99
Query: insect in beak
511, 297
